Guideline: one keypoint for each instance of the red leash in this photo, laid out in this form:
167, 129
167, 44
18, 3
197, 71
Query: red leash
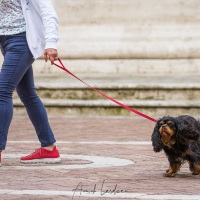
117, 102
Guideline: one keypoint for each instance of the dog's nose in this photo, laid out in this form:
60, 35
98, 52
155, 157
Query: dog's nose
163, 126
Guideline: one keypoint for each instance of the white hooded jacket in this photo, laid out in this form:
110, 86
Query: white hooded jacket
41, 25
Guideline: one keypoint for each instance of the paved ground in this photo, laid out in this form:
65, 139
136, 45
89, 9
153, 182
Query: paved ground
102, 158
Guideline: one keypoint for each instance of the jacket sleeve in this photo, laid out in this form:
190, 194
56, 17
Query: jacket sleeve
50, 22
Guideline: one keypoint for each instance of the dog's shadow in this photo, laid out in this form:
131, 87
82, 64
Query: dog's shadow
185, 176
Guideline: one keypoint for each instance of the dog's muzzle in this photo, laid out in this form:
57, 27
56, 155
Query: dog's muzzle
164, 126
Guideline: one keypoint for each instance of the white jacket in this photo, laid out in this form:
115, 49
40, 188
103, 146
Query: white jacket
41, 25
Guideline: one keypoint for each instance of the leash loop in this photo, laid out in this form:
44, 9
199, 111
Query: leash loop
101, 93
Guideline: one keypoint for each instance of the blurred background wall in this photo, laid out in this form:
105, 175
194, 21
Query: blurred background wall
128, 36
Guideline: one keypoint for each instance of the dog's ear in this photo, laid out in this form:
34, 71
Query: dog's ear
188, 130
156, 139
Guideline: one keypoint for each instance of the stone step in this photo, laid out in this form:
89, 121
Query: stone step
154, 108
119, 67
131, 93
137, 12
116, 49
153, 95
174, 88
118, 42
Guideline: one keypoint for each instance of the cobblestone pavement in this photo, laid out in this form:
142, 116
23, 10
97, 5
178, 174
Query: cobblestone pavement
102, 158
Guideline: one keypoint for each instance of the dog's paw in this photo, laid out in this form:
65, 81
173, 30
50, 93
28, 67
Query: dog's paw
195, 173
169, 175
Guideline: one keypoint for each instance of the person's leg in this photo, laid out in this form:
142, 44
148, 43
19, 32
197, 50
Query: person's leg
35, 109
15, 72
48, 153
17, 59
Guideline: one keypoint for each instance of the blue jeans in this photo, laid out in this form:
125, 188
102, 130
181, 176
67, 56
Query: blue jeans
17, 73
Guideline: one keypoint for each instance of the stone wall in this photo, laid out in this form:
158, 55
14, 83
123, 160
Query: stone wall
128, 36
129, 28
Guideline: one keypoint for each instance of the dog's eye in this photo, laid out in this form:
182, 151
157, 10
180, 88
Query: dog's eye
168, 122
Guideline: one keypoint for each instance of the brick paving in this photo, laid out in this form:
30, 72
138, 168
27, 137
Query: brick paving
143, 176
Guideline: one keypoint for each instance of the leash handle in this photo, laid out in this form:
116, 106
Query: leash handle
101, 93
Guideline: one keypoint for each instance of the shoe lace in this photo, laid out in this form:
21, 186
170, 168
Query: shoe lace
38, 150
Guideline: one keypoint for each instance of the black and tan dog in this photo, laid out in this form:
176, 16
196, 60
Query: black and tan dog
179, 137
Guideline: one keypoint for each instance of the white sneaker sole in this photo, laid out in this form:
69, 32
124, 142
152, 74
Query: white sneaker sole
42, 160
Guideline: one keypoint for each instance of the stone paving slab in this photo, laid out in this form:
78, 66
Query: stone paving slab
102, 158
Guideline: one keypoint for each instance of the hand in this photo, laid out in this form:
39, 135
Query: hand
50, 54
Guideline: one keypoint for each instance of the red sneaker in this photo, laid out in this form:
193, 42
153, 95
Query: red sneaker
42, 155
